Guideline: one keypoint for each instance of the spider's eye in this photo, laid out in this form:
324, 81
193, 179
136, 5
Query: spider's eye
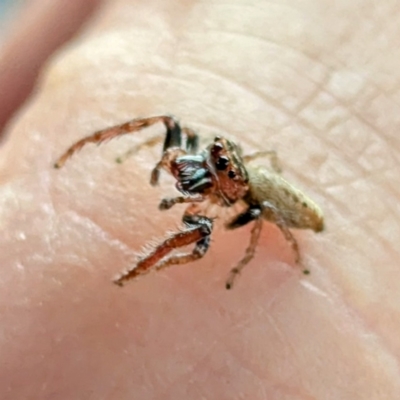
222, 163
217, 138
216, 149
231, 174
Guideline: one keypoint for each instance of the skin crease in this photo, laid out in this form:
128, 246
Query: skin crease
315, 80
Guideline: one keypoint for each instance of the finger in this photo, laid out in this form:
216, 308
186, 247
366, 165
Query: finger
41, 27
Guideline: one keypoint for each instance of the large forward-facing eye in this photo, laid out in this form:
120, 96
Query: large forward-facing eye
232, 174
222, 163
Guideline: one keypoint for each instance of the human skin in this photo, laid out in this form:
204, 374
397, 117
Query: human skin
319, 82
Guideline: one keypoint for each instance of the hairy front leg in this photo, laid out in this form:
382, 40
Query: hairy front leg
198, 231
172, 138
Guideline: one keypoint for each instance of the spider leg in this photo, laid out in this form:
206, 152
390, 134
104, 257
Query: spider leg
198, 231
244, 218
192, 140
172, 139
191, 145
273, 158
279, 221
203, 226
166, 160
251, 214
192, 209
169, 202
148, 143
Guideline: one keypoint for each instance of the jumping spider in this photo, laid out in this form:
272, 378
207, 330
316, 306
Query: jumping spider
221, 175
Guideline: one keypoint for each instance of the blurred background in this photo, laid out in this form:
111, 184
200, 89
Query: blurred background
30, 31
7, 10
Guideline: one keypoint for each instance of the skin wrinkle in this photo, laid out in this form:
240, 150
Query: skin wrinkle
358, 322
285, 339
374, 129
284, 46
259, 6
319, 89
309, 180
329, 68
389, 250
205, 70
319, 84
392, 184
215, 128
262, 376
352, 112
319, 61
379, 29
365, 327
168, 78
359, 170
345, 205
282, 336
287, 389
381, 91
191, 369
222, 340
388, 206
393, 92
277, 292
353, 180
369, 99
296, 116
383, 241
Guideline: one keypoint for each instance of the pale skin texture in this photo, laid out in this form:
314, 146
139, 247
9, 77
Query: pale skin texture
319, 82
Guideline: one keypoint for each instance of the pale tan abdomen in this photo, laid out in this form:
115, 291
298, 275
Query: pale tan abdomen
291, 205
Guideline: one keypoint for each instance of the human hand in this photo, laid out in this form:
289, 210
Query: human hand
318, 83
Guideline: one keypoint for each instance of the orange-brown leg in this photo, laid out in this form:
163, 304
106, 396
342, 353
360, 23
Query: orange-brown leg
250, 251
191, 145
168, 156
273, 158
198, 231
169, 202
173, 137
148, 143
